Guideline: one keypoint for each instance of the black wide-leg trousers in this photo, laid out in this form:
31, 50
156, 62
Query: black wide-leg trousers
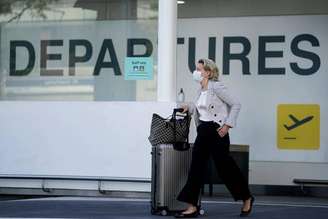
209, 143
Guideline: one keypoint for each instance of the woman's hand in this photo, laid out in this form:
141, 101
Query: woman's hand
223, 130
185, 108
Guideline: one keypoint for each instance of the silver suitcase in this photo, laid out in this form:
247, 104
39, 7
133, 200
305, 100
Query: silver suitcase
169, 174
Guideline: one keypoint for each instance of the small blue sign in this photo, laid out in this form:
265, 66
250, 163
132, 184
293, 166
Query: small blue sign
138, 68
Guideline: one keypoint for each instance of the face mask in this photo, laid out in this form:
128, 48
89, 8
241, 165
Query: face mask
197, 76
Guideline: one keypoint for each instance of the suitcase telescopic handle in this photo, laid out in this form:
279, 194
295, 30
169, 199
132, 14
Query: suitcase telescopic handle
175, 110
178, 110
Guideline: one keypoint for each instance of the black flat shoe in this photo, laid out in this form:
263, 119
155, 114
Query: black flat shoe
246, 213
191, 215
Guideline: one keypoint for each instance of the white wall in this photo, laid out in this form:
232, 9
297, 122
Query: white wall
283, 173
100, 139
77, 138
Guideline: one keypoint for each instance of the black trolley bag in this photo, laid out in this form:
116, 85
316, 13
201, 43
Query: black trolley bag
171, 159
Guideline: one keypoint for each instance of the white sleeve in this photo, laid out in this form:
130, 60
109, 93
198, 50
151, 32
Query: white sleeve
222, 92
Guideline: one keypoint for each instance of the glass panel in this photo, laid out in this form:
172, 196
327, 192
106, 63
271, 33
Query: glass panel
201, 37
76, 49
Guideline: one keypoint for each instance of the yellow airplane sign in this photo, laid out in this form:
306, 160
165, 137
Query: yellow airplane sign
298, 126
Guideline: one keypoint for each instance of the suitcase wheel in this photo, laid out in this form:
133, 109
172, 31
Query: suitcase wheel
201, 212
163, 212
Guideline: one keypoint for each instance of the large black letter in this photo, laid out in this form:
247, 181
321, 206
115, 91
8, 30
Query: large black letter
12, 58
211, 48
192, 54
145, 42
192, 51
227, 56
305, 54
73, 59
263, 54
107, 45
45, 56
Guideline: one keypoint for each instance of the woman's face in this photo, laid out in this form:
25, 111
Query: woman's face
200, 67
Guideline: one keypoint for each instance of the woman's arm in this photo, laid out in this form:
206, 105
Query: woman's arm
222, 92
188, 106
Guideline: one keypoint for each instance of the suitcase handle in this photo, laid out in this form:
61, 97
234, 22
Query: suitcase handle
180, 146
175, 110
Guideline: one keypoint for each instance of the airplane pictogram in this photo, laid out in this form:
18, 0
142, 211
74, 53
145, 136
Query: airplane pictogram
297, 122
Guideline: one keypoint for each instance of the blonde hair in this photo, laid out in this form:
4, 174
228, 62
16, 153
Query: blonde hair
209, 65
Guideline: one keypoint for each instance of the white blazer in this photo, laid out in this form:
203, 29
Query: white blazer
222, 107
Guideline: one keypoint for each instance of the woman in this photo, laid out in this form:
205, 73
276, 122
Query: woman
215, 112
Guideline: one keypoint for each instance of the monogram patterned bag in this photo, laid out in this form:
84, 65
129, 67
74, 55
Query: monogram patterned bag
170, 130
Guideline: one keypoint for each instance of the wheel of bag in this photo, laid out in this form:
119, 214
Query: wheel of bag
163, 212
201, 212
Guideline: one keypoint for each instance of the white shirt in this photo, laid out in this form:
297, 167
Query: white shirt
204, 114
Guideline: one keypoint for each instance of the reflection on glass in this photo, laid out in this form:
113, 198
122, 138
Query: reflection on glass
75, 50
